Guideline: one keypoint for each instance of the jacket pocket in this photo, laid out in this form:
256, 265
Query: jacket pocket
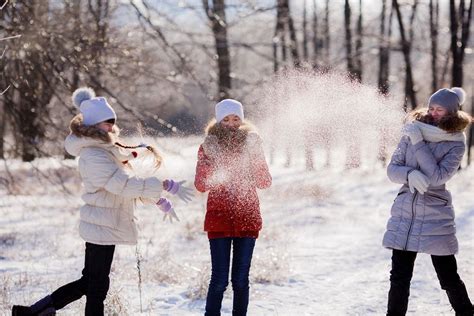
436, 200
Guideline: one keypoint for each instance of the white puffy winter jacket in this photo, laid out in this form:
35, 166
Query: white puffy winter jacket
107, 218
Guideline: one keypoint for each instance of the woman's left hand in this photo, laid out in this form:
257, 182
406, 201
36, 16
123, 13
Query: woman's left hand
413, 132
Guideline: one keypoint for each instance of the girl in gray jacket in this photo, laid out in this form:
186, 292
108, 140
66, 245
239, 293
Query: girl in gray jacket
422, 215
111, 190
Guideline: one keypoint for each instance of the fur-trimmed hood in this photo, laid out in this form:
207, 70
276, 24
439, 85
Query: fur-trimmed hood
451, 123
214, 128
222, 138
83, 136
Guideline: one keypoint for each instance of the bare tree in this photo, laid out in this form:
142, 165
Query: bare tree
285, 27
384, 49
348, 37
217, 18
100, 12
406, 47
460, 21
316, 40
434, 26
358, 46
30, 73
470, 141
305, 32
327, 34
354, 58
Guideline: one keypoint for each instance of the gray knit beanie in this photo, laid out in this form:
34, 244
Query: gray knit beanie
450, 99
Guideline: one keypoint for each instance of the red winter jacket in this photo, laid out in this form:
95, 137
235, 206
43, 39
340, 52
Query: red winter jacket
232, 177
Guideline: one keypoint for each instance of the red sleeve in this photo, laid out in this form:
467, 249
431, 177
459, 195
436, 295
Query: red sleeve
203, 171
263, 178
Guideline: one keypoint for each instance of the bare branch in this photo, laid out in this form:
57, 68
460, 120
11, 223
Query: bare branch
9, 37
3, 6
3, 92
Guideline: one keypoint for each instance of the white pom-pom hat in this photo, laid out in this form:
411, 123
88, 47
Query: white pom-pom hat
228, 107
94, 109
450, 99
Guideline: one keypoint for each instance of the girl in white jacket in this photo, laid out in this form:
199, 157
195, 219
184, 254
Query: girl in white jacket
107, 217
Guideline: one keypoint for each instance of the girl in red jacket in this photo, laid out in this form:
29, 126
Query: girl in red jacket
231, 166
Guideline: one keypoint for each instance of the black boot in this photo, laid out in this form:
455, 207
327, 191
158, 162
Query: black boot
459, 300
467, 312
44, 307
18, 310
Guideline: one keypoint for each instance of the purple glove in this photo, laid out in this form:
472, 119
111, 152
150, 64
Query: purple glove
177, 188
167, 208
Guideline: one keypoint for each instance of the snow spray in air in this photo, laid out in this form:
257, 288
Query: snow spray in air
302, 111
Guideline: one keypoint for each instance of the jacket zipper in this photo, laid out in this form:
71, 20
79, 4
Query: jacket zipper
413, 213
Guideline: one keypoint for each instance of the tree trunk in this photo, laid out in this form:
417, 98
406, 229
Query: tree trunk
358, 47
217, 17
434, 26
471, 130
316, 40
409, 87
3, 123
100, 13
292, 31
348, 38
384, 51
279, 37
305, 32
461, 19
327, 35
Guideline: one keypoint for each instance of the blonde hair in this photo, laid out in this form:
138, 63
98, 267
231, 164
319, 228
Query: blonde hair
153, 150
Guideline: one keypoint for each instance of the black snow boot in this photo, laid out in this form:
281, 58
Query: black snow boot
466, 313
43, 307
460, 300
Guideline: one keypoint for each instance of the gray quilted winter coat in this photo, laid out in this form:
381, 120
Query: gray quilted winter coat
424, 223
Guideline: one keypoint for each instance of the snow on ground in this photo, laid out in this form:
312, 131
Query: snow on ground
319, 253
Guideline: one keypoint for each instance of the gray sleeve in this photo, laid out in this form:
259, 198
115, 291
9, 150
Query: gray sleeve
397, 171
440, 172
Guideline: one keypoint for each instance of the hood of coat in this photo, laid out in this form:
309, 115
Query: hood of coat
82, 136
451, 123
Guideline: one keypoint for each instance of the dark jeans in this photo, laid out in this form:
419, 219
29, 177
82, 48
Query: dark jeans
94, 282
241, 259
446, 270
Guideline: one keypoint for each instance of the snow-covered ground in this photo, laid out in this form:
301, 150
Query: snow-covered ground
319, 253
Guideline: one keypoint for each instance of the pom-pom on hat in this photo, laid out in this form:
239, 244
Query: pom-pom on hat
94, 109
227, 107
450, 99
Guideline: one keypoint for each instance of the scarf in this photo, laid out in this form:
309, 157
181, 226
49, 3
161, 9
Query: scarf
435, 134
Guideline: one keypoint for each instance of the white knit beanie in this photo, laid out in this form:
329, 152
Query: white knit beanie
227, 107
94, 109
